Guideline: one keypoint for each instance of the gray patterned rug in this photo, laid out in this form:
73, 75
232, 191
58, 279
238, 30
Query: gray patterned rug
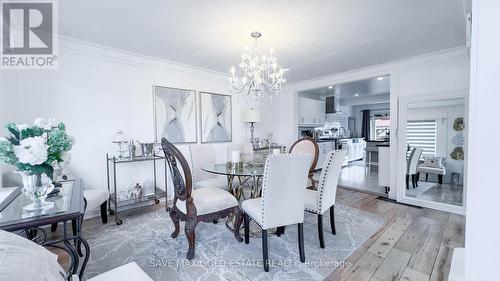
144, 237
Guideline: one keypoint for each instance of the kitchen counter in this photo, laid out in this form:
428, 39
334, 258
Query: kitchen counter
335, 139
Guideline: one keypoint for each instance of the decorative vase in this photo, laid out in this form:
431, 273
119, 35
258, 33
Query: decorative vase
37, 187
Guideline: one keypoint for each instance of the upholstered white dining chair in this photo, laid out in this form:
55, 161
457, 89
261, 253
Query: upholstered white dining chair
320, 200
282, 201
204, 154
307, 145
412, 167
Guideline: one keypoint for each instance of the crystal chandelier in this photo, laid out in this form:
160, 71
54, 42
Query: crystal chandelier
258, 74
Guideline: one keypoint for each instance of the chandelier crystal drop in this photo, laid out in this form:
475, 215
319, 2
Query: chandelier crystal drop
258, 74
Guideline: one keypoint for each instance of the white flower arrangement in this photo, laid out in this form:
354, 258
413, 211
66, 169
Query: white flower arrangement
32, 151
36, 149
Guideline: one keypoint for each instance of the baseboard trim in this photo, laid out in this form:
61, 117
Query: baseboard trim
396, 202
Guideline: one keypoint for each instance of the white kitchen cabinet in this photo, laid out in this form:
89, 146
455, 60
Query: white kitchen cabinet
311, 112
384, 158
324, 149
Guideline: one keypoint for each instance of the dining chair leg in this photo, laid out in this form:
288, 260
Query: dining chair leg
426, 176
247, 228
238, 219
407, 181
265, 253
320, 231
301, 243
440, 179
189, 230
332, 220
280, 231
104, 212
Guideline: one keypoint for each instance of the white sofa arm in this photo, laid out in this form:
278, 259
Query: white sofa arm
129, 271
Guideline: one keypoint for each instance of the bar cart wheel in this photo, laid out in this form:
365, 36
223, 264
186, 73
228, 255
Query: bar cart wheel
111, 212
167, 209
157, 201
118, 221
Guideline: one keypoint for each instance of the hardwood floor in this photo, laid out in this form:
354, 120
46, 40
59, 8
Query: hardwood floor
413, 244
357, 177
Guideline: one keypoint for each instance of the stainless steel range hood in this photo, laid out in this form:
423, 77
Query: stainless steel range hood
332, 105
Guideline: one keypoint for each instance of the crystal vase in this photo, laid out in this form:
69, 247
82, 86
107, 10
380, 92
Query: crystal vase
37, 187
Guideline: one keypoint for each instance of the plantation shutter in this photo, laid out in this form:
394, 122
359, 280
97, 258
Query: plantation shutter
422, 133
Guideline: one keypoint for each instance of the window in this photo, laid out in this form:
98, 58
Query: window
422, 133
380, 128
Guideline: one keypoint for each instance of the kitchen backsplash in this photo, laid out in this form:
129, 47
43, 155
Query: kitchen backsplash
337, 117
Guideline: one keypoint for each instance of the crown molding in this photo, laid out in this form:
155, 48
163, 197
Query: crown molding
434, 58
110, 54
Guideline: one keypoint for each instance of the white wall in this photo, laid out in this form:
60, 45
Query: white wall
97, 91
483, 208
445, 71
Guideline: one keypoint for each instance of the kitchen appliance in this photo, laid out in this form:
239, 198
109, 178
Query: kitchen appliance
332, 104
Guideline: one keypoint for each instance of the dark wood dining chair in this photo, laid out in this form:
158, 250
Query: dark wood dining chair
192, 206
307, 145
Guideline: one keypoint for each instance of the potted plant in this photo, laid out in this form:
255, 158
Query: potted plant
36, 151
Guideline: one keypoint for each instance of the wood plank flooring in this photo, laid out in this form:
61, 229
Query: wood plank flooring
413, 244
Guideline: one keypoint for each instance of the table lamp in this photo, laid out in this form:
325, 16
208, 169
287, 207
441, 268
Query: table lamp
251, 116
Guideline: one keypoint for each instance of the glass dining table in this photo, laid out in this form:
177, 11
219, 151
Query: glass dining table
244, 182
243, 179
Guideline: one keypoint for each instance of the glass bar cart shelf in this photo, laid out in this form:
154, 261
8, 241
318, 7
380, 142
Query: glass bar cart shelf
117, 204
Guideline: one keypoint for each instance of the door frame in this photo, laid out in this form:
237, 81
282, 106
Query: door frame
401, 151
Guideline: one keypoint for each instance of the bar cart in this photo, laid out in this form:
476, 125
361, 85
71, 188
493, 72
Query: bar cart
116, 204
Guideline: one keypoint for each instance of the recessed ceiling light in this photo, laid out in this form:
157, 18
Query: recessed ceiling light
380, 78
356, 94
330, 87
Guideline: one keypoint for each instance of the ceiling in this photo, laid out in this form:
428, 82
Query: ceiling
312, 38
374, 90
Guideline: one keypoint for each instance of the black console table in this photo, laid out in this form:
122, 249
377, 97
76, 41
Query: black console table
69, 206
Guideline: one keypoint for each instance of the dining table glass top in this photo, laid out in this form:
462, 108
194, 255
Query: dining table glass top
228, 169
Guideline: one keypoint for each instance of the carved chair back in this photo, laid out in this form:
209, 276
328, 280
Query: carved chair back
182, 182
307, 145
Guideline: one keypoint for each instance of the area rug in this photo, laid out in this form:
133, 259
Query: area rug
145, 238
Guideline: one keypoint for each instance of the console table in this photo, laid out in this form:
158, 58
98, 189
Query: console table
69, 206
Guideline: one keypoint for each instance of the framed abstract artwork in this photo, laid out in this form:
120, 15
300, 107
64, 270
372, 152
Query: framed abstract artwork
174, 115
216, 123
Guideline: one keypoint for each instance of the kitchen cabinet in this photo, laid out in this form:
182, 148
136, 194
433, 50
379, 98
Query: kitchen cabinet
324, 149
311, 112
355, 148
384, 158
